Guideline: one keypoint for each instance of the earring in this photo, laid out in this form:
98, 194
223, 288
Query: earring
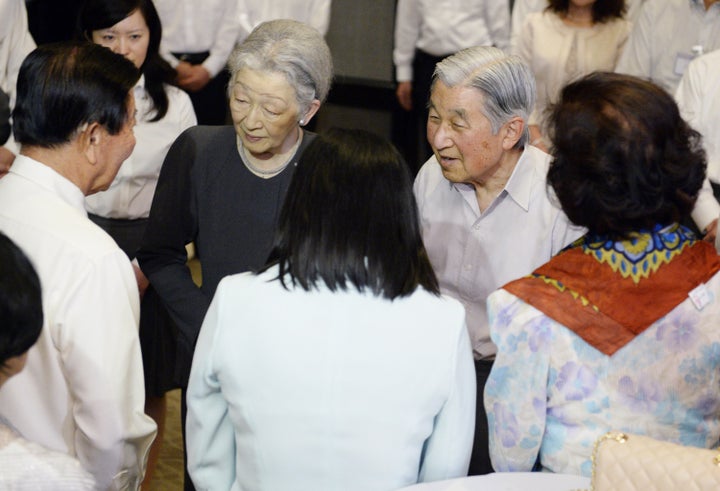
302, 122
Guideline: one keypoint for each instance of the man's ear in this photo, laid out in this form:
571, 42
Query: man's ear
513, 131
89, 139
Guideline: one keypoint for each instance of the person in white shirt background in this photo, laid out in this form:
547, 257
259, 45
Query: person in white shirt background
315, 13
568, 39
667, 35
25, 465
15, 43
132, 28
198, 37
698, 97
82, 390
426, 31
521, 8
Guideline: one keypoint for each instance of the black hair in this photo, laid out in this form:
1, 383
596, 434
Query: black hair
103, 14
350, 217
5, 127
602, 10
65, 85
21, 314
624, 159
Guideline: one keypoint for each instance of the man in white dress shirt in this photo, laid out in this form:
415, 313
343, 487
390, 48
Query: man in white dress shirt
698, 97
485, 213
82, 389
198, 37
426, 31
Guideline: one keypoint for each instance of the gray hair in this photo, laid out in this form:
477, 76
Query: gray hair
292, 48
506, 81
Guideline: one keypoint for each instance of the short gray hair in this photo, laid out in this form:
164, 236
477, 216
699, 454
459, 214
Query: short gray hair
506, 81
292, 48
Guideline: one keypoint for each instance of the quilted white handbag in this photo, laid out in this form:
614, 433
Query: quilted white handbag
627, 462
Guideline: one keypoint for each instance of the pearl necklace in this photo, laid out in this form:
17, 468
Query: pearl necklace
265, 174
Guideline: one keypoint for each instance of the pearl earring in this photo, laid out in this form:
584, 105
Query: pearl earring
302, 122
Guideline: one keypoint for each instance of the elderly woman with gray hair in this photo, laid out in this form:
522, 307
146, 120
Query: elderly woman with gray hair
222, 187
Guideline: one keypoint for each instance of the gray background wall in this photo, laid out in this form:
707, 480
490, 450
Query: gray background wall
361, 40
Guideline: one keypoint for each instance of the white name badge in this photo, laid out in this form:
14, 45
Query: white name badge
700, 296
682, 60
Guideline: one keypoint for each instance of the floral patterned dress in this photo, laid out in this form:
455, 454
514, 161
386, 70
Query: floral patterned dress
557, 386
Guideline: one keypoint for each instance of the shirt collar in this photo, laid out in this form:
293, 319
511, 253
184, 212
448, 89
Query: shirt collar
140, 83
519, 186
143, 104
47, 178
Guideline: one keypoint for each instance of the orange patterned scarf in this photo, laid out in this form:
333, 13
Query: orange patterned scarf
609, 292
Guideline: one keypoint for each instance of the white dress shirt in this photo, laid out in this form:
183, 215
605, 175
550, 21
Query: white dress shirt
15, 44
698, 97
192, 26
328, 390
558, 53
315, 13
668, 34
82, 390
27, 466
130, 194
444, 27
475, 253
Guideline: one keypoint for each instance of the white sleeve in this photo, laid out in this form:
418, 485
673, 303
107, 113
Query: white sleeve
100, 352
187, 112
448, 449
320, 16
210, 433
636, 55
688, 95
407, 33
706, 207
225, 39
246, 23
690, 99
497, 19
14, 48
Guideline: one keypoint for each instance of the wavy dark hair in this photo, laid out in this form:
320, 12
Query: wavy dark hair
602, 10
103, 14
21, 313
350, 218
61, 86
624, 159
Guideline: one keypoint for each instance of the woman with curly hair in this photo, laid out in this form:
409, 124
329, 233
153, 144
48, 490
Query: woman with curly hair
619, 330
